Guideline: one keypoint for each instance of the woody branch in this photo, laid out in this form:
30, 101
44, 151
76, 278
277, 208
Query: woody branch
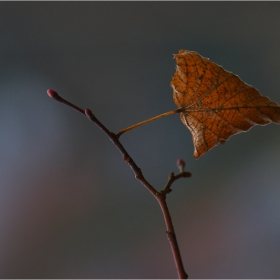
160, 196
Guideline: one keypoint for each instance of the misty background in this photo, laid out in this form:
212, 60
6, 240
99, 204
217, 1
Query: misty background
70, 207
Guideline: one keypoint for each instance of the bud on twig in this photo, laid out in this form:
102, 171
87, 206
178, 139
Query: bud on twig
181, 165
52, 93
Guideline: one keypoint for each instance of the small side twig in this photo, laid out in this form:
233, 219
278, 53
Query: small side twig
172, 178
160, 196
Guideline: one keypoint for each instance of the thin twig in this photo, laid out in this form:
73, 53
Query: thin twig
160, 196
172, 239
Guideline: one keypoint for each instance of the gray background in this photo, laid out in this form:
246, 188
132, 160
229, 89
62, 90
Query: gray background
69, 205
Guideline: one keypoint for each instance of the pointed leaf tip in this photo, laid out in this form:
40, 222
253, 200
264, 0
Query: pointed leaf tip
51, 93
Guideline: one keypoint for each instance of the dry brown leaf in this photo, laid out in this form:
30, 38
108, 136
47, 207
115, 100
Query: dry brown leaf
216, 103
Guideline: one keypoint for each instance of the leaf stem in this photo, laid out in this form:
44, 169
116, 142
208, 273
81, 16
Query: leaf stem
179, 110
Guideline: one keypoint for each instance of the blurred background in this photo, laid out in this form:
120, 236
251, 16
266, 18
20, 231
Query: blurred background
70, 207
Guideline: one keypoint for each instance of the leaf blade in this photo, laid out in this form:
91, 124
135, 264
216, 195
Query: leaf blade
216, 103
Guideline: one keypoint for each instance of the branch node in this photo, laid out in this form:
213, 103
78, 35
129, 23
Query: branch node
89, 114
126, 158
113, 135
170, 234
138, 175
169, 190
163, 193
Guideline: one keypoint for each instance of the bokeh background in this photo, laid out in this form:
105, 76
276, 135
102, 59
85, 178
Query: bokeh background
70, 207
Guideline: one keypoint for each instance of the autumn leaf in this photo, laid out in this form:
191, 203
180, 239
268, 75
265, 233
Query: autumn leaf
216, 103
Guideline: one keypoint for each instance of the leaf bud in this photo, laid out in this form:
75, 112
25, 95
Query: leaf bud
181, 164
51, 93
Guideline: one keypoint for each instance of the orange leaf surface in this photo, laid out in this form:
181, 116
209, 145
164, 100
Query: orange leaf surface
216, 103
